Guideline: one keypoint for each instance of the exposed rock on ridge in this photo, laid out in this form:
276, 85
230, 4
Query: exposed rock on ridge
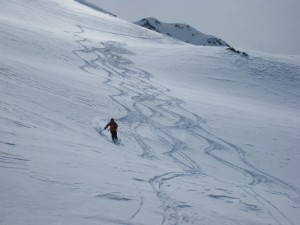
182, 32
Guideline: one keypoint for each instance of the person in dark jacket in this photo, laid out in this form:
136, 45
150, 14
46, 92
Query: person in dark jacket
113, 129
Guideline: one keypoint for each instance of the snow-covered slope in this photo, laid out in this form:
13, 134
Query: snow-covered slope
207, 137
181, 32
94, 6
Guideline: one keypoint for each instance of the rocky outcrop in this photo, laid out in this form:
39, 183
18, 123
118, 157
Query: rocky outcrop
181, 32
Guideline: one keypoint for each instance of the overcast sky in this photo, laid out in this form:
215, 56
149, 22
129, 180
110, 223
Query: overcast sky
263, 25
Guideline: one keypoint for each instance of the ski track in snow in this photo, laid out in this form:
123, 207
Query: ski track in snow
149, 106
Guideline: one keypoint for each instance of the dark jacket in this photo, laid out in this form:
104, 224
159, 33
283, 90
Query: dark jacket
113, 125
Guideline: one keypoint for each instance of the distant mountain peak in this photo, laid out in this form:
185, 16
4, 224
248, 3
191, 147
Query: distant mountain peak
181, 32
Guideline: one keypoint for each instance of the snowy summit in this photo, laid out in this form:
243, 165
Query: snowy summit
181, 32
202, 136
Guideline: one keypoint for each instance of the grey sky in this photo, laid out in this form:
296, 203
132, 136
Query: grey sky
264, 25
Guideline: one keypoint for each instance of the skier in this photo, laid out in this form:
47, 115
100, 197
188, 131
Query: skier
113, 129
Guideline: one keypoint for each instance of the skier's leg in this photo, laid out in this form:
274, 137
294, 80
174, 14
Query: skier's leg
112, 135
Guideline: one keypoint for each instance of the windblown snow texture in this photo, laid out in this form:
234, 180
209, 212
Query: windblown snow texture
208, 137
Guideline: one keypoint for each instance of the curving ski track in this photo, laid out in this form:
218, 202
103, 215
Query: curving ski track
148, 105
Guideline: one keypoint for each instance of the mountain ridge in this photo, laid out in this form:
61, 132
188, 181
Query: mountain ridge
182, 32
95, 7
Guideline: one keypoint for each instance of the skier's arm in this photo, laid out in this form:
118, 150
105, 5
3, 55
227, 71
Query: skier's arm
107, 125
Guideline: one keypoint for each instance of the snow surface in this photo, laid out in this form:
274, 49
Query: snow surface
207, 137
93, 6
